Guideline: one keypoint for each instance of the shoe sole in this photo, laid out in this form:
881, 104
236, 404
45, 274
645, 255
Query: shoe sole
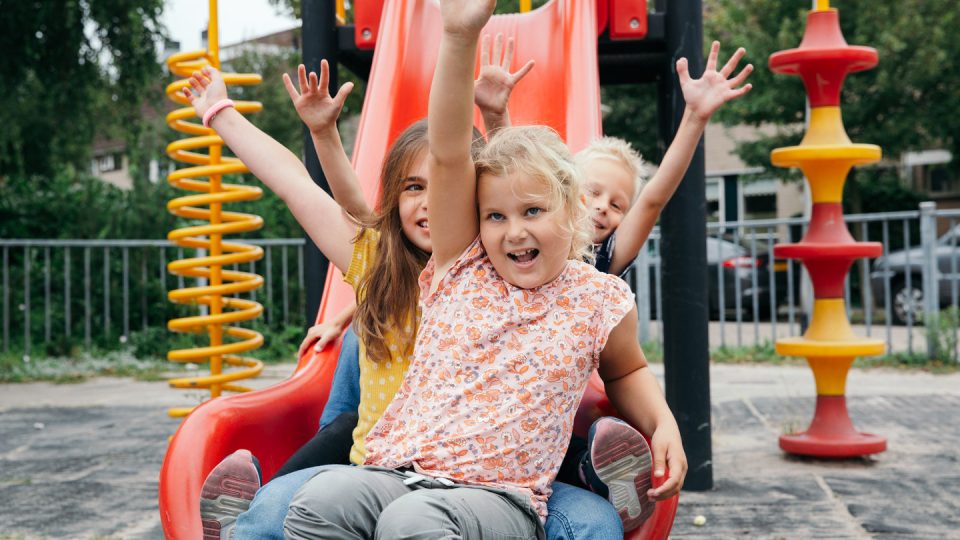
226, 494
621, 459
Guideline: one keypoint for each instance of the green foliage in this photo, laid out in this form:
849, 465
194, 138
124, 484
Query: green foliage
631, 114
908, 102
67, 70
943, 334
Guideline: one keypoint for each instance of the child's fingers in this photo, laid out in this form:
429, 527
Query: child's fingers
314, 84
508, 56
742, 76
302, 78
342, 94
732, 63
485, 50
666, 490
324, 84
740, 91
306, 343
712, 59
288, 84
659, 451
498, 49
195, 83
683, 70
187, 94
522, 71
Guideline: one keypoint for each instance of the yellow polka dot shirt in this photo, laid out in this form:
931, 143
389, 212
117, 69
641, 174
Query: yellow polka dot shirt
379, 381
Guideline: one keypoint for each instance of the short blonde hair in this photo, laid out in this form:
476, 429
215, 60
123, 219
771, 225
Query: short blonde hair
620, 151
539, 152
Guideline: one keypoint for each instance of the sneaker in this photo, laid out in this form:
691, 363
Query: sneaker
227, 493
618, 465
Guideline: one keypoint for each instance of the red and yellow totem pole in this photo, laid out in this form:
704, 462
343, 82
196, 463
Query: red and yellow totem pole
825, 156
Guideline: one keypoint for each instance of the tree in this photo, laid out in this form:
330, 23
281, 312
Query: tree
70, 70
908, 102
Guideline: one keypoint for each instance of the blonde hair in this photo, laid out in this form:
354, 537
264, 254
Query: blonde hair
620, 151
538, 152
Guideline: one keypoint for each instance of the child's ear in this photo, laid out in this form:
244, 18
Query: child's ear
583, 198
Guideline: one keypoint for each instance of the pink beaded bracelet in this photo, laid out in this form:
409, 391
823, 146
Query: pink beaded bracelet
215, 109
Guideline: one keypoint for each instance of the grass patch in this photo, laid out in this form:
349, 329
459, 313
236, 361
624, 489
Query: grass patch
20, 369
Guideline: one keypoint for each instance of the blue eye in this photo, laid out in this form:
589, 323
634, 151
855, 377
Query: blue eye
413, 187
495, 216
534, 211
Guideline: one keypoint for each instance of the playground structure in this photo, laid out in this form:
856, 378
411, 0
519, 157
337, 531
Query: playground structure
577, 45
219, 309
826, 156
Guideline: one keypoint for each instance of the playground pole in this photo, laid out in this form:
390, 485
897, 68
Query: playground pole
318, 41
683, 256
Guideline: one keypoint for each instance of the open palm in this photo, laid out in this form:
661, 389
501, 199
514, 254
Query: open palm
492, 89
705, 95
466, 17
316, 107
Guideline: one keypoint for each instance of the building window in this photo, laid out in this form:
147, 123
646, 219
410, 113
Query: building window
108, 163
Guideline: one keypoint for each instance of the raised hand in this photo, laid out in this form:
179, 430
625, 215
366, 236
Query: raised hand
491, 91
316, 107
466, 18
706, 94
208, 88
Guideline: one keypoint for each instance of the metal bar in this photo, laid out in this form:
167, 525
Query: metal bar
790, 300
268, 311
737, 300
106, 292
46, 295
953, 274
253, 270
300, 277
658, 274
180, 283
887, 301
866, 292
6, 299
126, 292
931, 282
909, 284
721, 293
755, 300
283, 281
846, 295
642, 289
87, 304
66, 291
26, 301
772, 275
163, 271
143, 287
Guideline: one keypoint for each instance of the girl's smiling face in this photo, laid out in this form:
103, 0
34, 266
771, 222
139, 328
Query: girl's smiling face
608, 189
413, 205
527, 241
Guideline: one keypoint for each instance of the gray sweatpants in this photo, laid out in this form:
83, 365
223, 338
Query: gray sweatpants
342, 502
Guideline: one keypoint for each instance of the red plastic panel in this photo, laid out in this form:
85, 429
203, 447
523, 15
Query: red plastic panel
366, 22
823, 59
628, 19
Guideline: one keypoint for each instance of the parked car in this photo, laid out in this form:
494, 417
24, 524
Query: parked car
906, 300
736, 265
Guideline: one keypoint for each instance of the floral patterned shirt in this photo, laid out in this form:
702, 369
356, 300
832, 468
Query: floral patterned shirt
497, 375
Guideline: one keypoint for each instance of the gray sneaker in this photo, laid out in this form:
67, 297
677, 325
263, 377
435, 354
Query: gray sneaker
227, 493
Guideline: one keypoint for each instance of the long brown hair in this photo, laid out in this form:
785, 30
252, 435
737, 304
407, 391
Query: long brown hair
389, 288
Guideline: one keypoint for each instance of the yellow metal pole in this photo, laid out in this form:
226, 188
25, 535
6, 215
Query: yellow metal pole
341, 12
215, 330
823, 5
525, 5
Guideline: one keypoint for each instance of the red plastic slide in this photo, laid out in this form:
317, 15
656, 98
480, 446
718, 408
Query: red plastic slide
562, 91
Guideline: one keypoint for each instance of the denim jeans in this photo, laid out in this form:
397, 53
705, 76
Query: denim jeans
575, 514
264, 518
345, 389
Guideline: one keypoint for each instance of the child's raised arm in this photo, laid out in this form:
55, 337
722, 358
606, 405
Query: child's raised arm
319, 111
491, 91
278, 168
452, 197
703, 97
634, 391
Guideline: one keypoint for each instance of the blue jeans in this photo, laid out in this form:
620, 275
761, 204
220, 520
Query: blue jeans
575, 513
264, 518
345, 388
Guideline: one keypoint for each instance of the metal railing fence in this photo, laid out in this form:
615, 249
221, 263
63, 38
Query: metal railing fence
62, 294
86, 293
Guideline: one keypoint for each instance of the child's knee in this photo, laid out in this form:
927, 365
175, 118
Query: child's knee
416, 513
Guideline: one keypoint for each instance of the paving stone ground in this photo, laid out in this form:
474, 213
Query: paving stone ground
82, 461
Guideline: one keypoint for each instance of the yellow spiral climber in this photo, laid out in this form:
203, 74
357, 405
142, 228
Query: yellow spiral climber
204, 176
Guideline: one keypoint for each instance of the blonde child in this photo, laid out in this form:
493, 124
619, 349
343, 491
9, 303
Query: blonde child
224, 505
512, 326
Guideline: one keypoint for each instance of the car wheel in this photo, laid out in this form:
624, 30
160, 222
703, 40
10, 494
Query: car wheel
907, 301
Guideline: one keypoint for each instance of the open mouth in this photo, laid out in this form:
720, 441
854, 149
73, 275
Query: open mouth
424, 224
599, 226
525, 257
